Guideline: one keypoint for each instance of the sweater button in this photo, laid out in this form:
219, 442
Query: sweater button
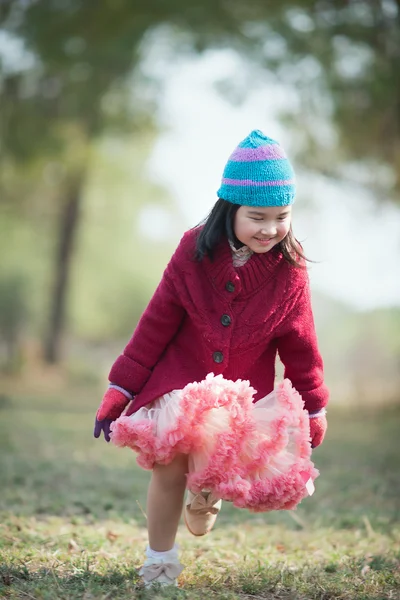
226, 320
218, 357
230, 287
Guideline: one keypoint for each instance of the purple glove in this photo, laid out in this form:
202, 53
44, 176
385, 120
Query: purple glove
102, 426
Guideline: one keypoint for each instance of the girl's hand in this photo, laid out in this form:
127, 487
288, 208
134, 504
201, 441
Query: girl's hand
112, 406
318, 427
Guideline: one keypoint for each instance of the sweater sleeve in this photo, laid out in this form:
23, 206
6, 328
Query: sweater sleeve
156, 328
298, 351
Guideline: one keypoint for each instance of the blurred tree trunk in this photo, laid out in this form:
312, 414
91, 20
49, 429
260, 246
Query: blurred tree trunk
69, 220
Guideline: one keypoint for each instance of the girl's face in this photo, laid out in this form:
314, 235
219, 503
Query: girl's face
261, 228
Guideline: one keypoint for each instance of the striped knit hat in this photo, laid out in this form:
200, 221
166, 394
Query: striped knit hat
258, 173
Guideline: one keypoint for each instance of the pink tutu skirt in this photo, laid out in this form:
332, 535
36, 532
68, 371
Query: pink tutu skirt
254, 455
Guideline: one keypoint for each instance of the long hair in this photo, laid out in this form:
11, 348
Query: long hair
219, 224
292, 250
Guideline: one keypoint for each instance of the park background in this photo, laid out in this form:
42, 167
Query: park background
116, 121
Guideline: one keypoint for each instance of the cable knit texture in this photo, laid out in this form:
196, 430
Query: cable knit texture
210, 317
258, 173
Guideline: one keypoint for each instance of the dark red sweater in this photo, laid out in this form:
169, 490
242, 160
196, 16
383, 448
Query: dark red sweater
209, 316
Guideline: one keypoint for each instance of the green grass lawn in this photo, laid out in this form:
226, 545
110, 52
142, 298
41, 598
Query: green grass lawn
73, 523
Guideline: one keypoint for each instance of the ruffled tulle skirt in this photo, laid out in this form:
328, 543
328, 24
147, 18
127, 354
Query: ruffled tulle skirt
257, 456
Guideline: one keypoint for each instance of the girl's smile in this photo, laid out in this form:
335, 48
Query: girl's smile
262, 228
263, 241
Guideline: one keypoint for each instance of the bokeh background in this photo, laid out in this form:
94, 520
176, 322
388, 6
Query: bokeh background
116, 121
117, 118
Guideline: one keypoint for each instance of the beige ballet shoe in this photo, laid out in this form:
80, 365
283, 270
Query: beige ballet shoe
200, 512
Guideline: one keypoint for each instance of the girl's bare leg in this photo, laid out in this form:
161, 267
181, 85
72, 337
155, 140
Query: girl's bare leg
165, 502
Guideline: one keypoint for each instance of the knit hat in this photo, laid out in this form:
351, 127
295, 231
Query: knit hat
258, 173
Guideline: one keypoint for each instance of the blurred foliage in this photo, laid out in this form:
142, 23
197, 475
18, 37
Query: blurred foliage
120, 260
75, 79
111, 279
361, 350
13, 313
342, 57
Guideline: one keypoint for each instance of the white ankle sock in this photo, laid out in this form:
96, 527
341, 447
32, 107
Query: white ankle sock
167, 555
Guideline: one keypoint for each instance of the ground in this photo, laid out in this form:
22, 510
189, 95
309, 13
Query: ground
72, 514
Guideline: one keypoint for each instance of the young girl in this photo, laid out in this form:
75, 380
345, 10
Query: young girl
234, 294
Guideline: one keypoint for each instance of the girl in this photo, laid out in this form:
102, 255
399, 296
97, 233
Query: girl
234, 294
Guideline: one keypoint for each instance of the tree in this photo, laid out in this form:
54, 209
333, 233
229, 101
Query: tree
84, 80
344, 58
77, 87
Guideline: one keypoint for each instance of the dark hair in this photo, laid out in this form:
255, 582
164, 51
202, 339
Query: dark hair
219, 224
292, 250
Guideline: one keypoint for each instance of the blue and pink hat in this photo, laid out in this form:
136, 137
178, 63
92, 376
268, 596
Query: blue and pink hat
258, 173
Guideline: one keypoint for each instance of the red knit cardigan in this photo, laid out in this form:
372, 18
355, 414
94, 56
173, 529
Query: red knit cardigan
209, 316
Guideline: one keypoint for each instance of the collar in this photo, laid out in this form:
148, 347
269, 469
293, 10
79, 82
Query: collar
249, 278
242, 254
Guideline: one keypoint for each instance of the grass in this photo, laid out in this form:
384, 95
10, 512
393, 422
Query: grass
72, 522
